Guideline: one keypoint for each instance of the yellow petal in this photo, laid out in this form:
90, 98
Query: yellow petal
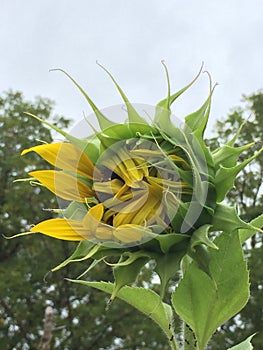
128, 171
93, 217
69, 230
180, 160
171, 184
63, 185
92, 220
64, 156
122, 163
147, 153
108, 187
145, 206
128, 233
128, 201
107, 217
104, 232
124, 189
119, 203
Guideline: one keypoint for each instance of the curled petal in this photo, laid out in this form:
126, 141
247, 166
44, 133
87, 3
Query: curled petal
69, 230
65, 156
93, 217
111, 187
128, 233
104, 232
72, 230
63, 185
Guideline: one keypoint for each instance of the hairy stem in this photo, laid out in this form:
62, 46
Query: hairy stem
173, 342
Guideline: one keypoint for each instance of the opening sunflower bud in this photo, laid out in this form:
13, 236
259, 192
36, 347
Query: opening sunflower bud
151, 189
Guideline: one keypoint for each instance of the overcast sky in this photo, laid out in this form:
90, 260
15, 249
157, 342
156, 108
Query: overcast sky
131, 38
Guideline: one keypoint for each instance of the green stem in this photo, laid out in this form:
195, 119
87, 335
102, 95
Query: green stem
172, 339
173, 342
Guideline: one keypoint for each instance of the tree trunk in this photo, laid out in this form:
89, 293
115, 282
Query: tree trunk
48, 328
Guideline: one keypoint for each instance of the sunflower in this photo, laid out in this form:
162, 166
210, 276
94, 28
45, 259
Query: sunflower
141, 190
125, 194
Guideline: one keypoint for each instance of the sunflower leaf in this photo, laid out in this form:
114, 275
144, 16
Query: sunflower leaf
245, 345
205, 301
144, 300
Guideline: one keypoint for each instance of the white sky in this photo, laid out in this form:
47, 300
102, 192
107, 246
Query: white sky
131, 38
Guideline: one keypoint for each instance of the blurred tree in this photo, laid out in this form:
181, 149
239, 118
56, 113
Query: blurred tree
21, 272
248, 196
80, 321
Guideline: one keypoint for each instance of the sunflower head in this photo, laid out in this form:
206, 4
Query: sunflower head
141, 190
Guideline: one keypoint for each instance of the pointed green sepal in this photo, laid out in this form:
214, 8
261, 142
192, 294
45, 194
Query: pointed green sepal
256, 225
104, 122
245, 345
198, 247
163, 112
171, 242
201, 256
84, 251
88, 250
200, 236
167, 265
232, 141
133, 116
225, 177
227, 156
75, 211
128, 258
127, 274
89, 145
196, 122
227, 219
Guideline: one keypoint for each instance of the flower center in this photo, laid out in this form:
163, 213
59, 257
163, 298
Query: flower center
138, 184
